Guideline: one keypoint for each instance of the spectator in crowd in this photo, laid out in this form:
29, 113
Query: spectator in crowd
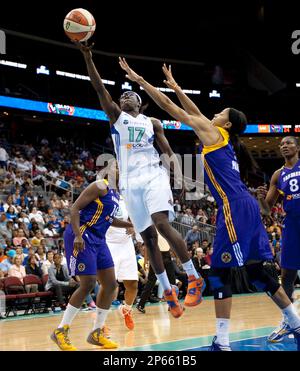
47, 264
17, 241
204, 245
207, 257
36, 240
36, 215
17, 270
8, 263
40, 255
198, 260
30, 252
201, 216
188, 217
60, 282
11, 213
32, 267
20, 254
50, 231
2, 254
3, 158
192, 236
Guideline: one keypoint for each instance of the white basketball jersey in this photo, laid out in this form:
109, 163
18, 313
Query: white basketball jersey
118, 235
133, 139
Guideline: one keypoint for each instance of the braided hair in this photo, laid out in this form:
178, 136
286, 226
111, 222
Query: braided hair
238, 122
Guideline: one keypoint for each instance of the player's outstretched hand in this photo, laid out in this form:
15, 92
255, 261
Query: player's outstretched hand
130, 74
170, 82
85, 48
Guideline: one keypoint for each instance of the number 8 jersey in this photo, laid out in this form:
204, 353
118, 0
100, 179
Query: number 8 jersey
289, 186
133, 139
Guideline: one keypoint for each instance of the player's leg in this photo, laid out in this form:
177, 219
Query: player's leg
151, 280
170, 292
61, 335
261, 279
131, 287
220, 281
196, 284
84, 265
108, 284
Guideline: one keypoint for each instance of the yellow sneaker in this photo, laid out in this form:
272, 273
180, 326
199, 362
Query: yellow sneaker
98, 337
60, 336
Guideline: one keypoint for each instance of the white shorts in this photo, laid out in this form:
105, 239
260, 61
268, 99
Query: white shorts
124, 258
146, 198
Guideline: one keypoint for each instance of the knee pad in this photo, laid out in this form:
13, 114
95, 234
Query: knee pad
261, 279
219, 279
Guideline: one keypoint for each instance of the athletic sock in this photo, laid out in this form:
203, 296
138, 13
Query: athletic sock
190, 269
101, 315
127, 306
164, 281
291, 315
222, 329
69, 315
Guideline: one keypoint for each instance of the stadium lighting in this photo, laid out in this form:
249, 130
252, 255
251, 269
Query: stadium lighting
214, 94
168, 90
13, 64
297, 84
126, 86
81, 77
42, 70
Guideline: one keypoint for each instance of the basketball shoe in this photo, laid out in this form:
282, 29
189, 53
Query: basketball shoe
215, 347
279, 333
195, 288
175, 307
127, 315
98, 337
60, 336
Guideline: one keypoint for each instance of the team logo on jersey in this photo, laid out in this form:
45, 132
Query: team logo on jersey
289, 197
226, 257
125, 122
81, 267
170, 202
128, 146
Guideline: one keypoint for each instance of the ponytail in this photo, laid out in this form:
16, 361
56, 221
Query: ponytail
238, 125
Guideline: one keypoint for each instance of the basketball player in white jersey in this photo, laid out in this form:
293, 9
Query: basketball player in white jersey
145, 184
120, 244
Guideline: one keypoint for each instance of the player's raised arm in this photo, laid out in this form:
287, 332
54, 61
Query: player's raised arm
189, 106
203, 128
109, 106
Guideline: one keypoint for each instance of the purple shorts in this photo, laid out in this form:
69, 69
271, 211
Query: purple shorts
96, 255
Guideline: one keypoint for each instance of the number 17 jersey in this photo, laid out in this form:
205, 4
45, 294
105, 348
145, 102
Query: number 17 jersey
133, 139
289, 186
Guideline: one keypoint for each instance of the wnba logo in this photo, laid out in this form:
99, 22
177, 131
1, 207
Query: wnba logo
2, 42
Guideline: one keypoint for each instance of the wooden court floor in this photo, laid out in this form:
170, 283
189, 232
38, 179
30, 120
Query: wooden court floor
252, 315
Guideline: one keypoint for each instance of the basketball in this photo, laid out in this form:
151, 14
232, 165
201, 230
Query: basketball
79, 24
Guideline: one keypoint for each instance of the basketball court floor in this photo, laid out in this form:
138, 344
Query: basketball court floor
254, 316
